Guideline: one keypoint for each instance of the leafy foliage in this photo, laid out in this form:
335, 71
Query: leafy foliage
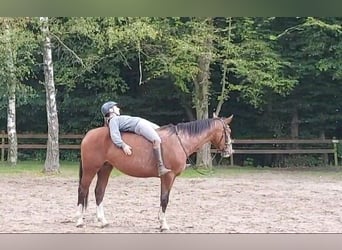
23, 45
271, 68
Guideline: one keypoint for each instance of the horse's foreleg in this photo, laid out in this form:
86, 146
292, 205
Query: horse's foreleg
102, 181
162, 217
79, 216
166, 185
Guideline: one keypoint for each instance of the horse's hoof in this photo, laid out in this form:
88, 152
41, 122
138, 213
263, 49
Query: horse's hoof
103, 225
164, 228
80, 223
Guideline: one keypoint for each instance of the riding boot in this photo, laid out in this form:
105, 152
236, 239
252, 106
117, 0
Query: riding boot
161, 168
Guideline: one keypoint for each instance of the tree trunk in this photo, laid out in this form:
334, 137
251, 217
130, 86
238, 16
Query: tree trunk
202, 85
225, 70
295, 127
52, 150
324, 156
295, 124
11, 112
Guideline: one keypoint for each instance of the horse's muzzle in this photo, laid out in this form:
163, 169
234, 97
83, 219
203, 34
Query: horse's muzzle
228, 153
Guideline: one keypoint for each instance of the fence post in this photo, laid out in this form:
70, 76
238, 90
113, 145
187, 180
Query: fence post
2, 145
335, 142
232, 160
232, 156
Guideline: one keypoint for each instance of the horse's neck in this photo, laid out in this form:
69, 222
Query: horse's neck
193, 143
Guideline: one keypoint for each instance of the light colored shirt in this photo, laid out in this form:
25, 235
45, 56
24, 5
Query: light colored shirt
124, 123
138, 125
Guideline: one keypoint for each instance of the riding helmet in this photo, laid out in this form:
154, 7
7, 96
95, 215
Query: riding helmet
106, 107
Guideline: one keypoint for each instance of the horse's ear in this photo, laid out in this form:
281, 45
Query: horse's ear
214, 115
229, 119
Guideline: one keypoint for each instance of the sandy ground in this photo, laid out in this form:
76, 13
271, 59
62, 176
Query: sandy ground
265, 202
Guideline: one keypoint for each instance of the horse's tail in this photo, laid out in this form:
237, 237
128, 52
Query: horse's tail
82, 199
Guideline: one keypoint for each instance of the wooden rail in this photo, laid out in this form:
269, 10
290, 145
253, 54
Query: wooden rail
284, 146
240, 146
38, 141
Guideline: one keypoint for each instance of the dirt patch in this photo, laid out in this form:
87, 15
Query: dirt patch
277, 202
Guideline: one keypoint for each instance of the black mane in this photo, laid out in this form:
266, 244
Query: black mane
192, 128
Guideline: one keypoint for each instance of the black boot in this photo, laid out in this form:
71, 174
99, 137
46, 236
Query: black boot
161, 168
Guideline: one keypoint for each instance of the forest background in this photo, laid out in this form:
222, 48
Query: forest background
279, 76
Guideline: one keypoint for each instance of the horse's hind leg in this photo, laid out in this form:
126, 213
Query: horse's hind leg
166, 185
86, 177
102, 181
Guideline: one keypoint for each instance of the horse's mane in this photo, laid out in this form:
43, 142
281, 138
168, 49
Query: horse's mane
191, 128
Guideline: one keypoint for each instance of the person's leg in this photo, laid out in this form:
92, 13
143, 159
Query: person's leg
158, 154
144, 128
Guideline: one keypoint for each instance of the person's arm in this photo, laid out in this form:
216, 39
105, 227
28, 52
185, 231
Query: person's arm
116, 137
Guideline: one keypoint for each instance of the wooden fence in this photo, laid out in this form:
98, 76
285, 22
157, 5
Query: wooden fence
285, 146
241, 146
39, 141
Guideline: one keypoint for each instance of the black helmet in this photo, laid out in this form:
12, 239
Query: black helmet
106, 107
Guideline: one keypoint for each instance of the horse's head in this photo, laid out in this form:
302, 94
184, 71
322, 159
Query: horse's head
222, 140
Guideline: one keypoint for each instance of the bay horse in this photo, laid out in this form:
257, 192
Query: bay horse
99, 155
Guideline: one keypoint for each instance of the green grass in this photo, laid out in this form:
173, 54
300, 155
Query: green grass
21, 167
70, 169
219, 172
36, 168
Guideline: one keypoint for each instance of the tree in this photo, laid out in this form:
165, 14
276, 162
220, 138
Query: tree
192, 47
241, 49
314, 46
248, 71
89, 56
267, 71
12, 82
205, 30
16, 55
52, 151
184, 52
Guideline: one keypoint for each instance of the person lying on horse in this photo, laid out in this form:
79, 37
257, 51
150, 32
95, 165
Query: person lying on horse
138, 125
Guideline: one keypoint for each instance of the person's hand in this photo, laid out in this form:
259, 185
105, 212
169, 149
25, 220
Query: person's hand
127, 149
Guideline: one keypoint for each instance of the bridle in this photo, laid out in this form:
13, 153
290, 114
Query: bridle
224, 152
228, 142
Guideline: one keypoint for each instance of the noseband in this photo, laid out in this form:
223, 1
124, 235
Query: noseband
227, 142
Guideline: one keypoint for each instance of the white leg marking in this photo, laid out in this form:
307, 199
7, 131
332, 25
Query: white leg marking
162, 220
79, 216
100, 215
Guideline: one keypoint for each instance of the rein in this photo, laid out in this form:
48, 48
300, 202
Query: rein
180, 142
192, 164
187, 157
